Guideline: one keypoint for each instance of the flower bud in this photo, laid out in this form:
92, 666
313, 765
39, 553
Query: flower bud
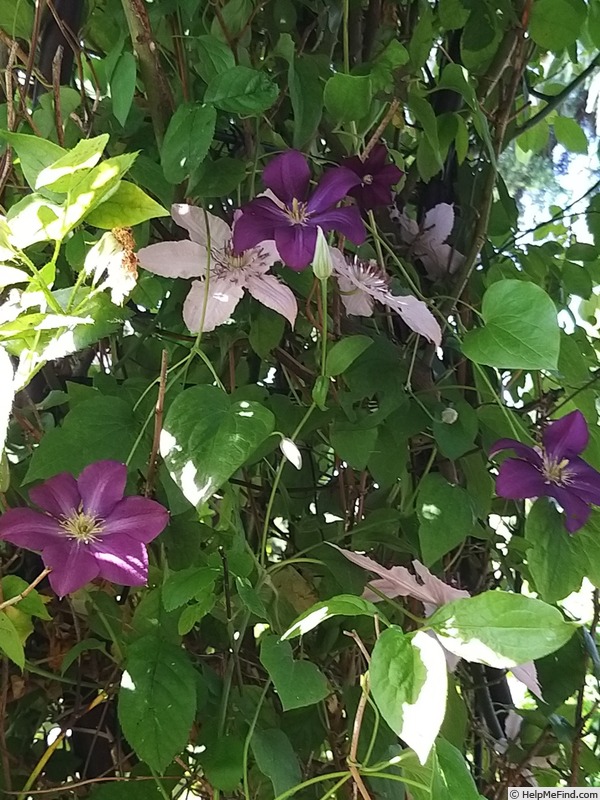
290, 450
322, 264
449, 416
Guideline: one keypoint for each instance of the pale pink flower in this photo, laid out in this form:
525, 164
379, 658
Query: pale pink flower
433, 593
428, 242
231, 273
363, 282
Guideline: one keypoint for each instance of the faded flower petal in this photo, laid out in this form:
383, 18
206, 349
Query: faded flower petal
269, 291
72, 566
527, 675
566, 437
193, 219
438, 223
101, 486
183, 259
27, 528
417, 316
223, 297
356, 302
58, 496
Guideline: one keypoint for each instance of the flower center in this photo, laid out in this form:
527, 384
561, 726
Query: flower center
555, 471
82, 527
369, 276
297, 213
234, 260
367, 179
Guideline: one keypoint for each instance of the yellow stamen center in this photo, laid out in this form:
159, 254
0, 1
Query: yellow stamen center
555, 471
297, 212
82, 527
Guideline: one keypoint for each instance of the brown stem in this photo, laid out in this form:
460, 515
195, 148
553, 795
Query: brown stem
18, 597
156, 86
158, 421
380, 129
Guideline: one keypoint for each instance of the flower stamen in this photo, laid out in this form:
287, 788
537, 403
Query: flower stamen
555, 471
82, 527
297, 213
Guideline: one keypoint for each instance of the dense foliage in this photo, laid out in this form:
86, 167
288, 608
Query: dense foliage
300, 422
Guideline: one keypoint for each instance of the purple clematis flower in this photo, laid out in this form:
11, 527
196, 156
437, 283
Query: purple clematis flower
290, 215
87, 529
553, 470
376, 178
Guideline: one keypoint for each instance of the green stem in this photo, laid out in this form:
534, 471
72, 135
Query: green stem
261, 700
323, 327
51, 300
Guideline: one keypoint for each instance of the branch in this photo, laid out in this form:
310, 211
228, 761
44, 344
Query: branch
558, 99
156, 86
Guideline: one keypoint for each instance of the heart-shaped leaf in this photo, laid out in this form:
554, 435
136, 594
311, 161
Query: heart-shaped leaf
521, 329
206, 438
298, 683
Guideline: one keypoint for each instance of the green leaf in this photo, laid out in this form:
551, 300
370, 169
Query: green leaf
354, 443
306, 95
127, 206
348, 97
445, 516
275, 758
213, 57
250, 597
122, 86
344, 353
241, 90
206, 438
500, 629
187, 140
345, 605
409, 681
570, 134
455, 438
188, 584
85, 155
266, 331
223, 763
10, 641
35, 154
453, 14
298, 683
194, 613
422, 39
16, 18
556, 24
444, 776
105, 424
81, 647
6, 396
157, 700
32, 603
521, 329
217, 178
555, 560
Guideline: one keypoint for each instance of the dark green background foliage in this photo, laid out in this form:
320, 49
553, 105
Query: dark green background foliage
188, 687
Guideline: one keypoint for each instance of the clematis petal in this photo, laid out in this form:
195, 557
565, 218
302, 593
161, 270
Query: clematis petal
567, 436
577, 511
409, 230
288, 176
58, 496
332, 188
518, 480
140, 518
183, 259
26, 528
273, 294
584, 480
260, 219
417, 316
223, 297
527, 674
438, 223
73, 565
194, 220
345, 220
296, 245
372, 196
356, 301
101, 486
522, 450
263, 255
121, 559
438, 592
